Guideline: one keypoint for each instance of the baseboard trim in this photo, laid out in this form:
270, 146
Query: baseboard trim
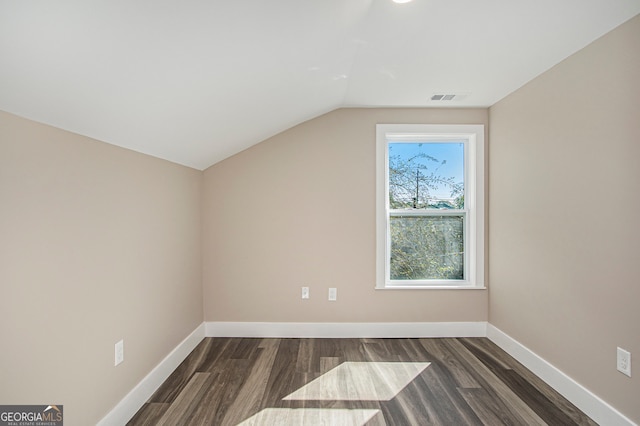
131, 403
592, 405
346, 330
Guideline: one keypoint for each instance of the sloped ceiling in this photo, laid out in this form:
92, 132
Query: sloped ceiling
197, 81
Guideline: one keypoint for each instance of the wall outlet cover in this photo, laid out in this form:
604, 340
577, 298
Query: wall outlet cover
119, 352
333, 294
623, 361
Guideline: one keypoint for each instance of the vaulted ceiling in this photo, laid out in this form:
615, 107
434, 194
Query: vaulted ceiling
197, 81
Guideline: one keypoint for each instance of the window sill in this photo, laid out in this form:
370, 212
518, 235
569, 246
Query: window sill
431, 287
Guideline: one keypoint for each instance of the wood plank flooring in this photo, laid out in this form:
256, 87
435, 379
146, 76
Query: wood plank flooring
470, 381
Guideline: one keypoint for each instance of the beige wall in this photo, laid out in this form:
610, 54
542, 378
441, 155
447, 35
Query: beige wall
564, 217
97, 244
299, 210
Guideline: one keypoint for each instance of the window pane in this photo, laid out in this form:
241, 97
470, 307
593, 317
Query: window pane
427, 248
426, 175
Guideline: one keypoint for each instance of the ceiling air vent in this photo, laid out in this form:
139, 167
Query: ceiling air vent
448, 96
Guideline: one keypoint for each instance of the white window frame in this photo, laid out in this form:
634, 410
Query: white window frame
473, 137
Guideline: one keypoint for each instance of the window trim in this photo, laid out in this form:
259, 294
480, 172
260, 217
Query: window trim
473, 137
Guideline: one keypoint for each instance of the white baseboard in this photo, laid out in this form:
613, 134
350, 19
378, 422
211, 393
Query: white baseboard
592, 405
131, 403
346, 330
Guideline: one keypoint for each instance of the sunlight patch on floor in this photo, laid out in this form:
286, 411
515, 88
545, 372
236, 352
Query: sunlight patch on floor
360, 381
310, 416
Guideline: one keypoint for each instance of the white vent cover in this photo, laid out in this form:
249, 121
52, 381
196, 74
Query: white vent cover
441, 96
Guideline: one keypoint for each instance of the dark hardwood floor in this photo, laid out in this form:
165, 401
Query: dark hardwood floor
470, 381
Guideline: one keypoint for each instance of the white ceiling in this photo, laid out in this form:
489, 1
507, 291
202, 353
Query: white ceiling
197, 81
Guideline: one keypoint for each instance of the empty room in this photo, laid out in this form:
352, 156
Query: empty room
338, 212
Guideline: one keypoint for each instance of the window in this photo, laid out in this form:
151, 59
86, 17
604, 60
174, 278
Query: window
430, 206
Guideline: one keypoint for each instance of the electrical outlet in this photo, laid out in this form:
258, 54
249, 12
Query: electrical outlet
624, 362
305, 292
333, 294
119, 352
